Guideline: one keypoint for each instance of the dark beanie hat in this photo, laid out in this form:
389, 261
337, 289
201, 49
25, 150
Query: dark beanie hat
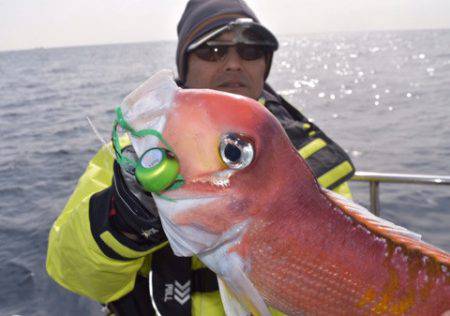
203, 16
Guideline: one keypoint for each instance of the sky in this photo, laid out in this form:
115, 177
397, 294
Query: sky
28, 24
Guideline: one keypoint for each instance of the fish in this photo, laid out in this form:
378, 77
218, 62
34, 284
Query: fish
251, 210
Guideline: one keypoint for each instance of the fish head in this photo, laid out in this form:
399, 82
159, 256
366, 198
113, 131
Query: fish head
223, 141
235, 158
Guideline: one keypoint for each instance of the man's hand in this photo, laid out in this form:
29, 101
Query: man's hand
133, 212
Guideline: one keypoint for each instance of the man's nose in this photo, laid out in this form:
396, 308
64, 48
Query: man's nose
233, 61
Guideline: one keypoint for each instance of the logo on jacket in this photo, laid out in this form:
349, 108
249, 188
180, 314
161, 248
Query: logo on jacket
150, 232
178, 292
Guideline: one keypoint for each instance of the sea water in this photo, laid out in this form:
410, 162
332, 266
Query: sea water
383, 96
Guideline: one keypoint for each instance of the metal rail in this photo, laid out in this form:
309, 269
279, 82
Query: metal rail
375, 178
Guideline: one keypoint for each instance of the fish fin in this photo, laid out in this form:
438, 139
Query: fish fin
159, 81
241, 288
387, 229
231, 305
371, 220
146, 108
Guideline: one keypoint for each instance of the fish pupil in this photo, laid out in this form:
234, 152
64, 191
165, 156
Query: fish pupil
232, 152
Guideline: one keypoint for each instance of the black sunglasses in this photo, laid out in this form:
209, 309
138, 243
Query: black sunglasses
216, 52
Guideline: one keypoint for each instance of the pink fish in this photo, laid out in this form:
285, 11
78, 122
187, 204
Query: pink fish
252, 211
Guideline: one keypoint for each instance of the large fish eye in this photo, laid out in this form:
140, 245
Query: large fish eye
236, 151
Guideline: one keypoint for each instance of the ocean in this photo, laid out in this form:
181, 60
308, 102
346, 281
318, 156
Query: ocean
383, 96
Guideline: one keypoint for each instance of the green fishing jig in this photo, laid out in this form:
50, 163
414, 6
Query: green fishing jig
157, 169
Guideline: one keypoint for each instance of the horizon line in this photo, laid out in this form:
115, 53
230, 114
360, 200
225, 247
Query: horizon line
174, 39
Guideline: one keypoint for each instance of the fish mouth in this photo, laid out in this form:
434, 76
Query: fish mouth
193, 191
203, 187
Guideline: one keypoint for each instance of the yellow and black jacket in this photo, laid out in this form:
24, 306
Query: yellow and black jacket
88, 256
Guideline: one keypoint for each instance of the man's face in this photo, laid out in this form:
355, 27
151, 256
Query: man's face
230, 74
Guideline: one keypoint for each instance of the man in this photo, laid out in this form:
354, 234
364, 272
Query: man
109, 237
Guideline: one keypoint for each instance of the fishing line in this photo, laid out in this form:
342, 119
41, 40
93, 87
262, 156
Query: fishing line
97, 134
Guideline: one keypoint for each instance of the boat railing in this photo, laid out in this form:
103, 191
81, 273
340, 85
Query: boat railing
375, 178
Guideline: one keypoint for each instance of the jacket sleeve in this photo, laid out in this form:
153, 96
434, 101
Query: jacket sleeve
329, 163
85, 254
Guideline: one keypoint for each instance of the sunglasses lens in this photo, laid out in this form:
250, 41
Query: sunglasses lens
217, 52
250, 52
211, 53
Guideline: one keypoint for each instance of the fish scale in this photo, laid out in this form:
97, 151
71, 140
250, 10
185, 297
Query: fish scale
300, 280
